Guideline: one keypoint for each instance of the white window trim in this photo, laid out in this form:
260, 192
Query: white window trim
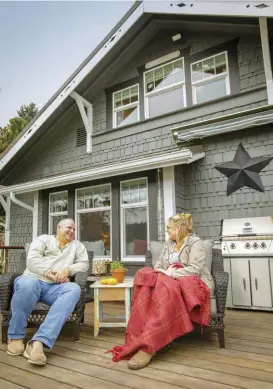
90, 210
135, 258
131, 105
224, 75
51, 214
163, 89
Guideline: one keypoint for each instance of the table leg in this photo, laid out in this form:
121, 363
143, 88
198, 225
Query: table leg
100, 312
96, 312
127, 304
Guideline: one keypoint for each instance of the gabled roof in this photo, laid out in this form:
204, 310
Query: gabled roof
138, 13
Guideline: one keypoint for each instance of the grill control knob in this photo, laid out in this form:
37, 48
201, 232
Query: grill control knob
247, 245
255, 245
232, 246
263, 245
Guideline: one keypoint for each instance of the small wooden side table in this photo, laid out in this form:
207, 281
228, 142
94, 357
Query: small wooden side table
103, 293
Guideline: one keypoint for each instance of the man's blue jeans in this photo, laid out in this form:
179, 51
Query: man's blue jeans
28, 290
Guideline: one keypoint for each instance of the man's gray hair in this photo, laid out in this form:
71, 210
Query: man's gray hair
64, 221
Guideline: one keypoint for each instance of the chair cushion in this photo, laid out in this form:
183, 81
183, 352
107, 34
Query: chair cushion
156, 249
208, 248
27, 246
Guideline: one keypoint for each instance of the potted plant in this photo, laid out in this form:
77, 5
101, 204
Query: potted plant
118, 271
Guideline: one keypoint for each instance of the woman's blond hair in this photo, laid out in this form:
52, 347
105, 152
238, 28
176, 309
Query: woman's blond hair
182, 220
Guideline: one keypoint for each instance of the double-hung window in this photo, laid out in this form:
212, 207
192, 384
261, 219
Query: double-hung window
57, 210
164, 88
126, 106
210, 78
134, 211
93, 210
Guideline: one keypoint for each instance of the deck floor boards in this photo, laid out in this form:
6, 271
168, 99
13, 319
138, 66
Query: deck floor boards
191, 362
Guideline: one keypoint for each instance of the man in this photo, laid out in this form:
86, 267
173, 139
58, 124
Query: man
51, 261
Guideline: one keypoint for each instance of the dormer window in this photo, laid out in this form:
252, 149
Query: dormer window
210, 78
164, 88
126, 106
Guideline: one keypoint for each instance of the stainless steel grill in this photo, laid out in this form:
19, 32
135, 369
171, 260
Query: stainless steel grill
247, 248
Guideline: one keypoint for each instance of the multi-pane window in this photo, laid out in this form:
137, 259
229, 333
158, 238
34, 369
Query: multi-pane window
210, 78
134, 219
126, 106
57, 209
93, 209
164, 88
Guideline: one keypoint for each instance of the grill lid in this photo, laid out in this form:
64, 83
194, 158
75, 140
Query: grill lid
247, 227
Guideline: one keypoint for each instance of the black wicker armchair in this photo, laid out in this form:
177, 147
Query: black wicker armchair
39, 313
221, 286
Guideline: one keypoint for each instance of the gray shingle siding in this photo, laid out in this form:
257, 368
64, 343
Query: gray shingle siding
160, 210
251, 67
20, 229
181, 202
53, 156
202, 189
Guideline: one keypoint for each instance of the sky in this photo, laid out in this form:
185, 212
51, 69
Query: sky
42, 43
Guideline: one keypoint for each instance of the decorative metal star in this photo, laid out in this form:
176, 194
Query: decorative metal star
243, 171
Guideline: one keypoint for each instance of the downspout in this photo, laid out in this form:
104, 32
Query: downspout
266, 58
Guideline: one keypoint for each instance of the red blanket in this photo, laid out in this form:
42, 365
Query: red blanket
163, 309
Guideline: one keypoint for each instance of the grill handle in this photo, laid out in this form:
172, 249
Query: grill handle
256, 283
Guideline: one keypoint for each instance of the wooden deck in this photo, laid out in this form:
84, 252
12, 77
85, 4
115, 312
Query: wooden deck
194, 362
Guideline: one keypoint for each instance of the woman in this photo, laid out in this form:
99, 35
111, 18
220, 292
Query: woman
169, 297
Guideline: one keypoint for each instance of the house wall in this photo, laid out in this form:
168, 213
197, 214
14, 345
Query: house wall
180, 188
160, 207
201, 189
21, 222
56, 152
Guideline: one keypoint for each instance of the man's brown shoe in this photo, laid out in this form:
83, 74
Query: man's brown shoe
140, 360
35, 353
15, 347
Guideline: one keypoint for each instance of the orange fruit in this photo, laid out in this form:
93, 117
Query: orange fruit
111, 281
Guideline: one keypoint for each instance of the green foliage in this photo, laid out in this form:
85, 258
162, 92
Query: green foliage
8, 133
27, 112
117, 265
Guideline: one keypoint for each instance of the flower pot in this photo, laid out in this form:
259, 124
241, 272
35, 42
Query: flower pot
119, 274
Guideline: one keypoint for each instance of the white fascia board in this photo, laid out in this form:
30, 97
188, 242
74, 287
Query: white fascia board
122, 30
235, 8
182, 156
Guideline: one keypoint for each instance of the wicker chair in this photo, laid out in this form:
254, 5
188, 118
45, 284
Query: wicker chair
221, 286
39, 313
